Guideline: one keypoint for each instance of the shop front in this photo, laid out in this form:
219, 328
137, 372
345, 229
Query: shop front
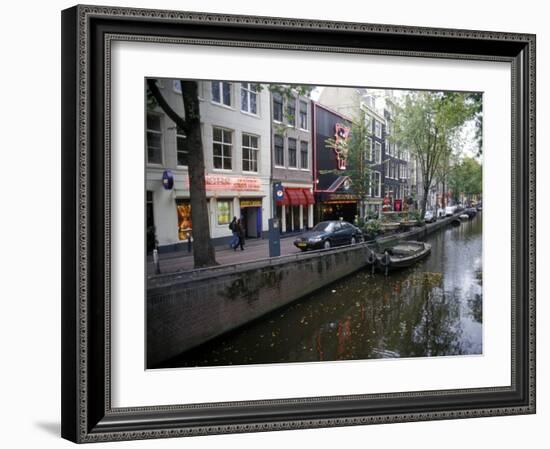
251, 217
169, 211
295, 209
337, 206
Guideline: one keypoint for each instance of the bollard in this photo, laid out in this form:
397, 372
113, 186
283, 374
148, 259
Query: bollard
156, 261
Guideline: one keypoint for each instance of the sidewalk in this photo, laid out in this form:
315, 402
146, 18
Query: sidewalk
253, 249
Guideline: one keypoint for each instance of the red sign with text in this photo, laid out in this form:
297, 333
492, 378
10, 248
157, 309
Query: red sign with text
221, 182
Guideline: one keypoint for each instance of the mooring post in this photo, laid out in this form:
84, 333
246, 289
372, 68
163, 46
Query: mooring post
156, 261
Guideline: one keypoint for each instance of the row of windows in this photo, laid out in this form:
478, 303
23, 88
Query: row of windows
222, 150
291, 153
395, 170
373, 152
373, 126
222, 147
394, 150
222, 93
284, 111
375, 186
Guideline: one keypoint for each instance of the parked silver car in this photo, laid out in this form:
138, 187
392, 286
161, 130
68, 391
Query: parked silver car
429, 216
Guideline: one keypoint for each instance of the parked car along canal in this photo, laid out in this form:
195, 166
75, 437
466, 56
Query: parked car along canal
433, 308
328, 234
429, 216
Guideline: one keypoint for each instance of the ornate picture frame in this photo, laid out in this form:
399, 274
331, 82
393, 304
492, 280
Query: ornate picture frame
88, 33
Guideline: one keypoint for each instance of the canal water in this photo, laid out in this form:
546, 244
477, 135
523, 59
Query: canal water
431, 309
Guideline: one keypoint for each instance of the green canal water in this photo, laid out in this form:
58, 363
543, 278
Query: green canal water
431, 309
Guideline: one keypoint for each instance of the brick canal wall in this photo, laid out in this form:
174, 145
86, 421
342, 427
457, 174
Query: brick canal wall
188, 309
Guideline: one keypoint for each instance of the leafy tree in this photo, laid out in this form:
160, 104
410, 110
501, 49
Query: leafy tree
428, 124
466, 178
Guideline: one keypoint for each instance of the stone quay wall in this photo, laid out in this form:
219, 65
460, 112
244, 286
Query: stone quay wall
188, 309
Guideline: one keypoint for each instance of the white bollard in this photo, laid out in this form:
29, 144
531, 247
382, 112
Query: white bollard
156, 261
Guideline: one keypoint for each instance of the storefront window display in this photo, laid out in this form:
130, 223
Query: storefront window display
185, 224
224, 212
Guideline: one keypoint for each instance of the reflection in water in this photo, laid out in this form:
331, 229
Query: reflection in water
431, 309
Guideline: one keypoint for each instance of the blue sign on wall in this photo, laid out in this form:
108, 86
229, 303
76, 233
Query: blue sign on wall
278, 191
167, 180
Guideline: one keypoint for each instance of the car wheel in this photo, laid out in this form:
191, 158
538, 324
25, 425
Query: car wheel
326, 245
353, 240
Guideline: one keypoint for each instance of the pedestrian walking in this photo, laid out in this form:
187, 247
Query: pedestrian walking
240, 232
235, 238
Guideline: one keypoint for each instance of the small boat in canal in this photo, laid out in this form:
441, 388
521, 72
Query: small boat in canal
402, 255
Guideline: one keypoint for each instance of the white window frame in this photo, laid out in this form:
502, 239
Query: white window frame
251, 149
377, 152
224, 144
286, 116
282, 107
249, 90
300, 103
292, 167
368, 124
378, 128
307, 157
275, 152
154, 131
379, 184
369, 150
221, 103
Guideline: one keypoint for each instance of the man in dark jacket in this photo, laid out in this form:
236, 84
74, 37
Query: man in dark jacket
240, 233
235, 239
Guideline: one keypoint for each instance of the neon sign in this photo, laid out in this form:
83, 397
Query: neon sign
340, 144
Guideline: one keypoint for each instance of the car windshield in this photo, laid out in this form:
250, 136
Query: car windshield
324, 226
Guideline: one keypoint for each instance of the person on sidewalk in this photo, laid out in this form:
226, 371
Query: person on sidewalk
235, 239
240, 232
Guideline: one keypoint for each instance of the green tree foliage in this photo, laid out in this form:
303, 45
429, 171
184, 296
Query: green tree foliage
466, 178
428, 124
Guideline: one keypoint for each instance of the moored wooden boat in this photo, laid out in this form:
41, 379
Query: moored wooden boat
402, 255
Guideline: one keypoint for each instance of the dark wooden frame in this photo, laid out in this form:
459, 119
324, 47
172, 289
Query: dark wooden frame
87, 32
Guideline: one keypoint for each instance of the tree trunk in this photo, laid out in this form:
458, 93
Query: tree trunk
203, 250
424, 200
444, 196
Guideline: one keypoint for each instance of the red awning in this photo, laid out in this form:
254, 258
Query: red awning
295, 196
309, 196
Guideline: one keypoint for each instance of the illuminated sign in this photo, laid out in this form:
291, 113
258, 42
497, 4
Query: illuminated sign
251, 203
340, 147
221, 182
